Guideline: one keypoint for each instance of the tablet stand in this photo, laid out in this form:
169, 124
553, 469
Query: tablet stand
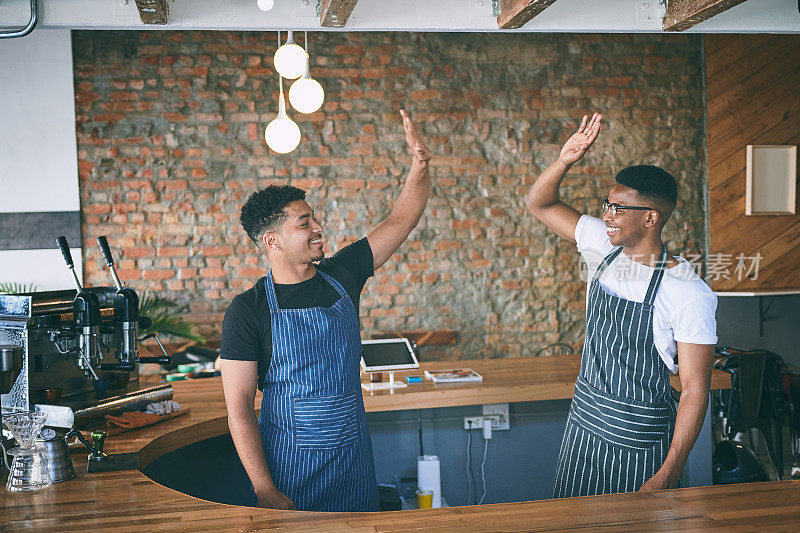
391, 384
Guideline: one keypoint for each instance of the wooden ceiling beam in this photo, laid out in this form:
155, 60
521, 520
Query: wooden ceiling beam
153, 11
515, 13
334, 13
683, 14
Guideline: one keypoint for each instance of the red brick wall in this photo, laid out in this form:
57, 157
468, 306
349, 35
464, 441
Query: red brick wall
170, 142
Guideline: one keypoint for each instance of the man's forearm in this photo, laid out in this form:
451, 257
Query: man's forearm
411, 203
247, 439
544, 192
691, 414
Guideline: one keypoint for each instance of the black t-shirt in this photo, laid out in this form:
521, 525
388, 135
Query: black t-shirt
246, 328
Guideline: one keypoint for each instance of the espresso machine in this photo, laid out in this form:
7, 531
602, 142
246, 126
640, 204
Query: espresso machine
75, 352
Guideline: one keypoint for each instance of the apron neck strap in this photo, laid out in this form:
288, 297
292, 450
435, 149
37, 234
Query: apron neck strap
272, 300
655, 279
604, 264
335, 284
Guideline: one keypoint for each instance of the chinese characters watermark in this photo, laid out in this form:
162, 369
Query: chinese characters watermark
718, 266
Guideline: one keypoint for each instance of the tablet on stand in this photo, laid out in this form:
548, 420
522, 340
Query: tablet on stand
387, 355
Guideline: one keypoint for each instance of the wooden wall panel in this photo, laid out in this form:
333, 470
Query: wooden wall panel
752, 97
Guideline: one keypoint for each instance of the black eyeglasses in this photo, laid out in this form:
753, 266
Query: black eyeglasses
615, 208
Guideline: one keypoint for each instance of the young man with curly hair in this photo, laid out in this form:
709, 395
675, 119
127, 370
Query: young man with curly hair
296, 336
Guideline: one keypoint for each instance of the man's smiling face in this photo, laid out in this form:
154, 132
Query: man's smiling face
300, 235
628, 227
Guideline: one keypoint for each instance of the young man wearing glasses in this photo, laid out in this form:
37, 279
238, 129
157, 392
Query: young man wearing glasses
624, 432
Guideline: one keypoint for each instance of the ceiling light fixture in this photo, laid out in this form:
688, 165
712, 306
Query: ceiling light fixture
265, 5
290, 59
282, 134
306, 94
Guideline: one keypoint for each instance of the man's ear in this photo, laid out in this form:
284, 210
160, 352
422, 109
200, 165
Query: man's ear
652, 219
271, 241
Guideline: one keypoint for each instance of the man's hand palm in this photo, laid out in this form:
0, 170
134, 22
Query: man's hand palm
580, 141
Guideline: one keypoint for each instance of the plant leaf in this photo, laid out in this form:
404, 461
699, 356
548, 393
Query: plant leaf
167, 318
12, 287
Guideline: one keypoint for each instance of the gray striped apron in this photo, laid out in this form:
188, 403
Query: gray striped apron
620, 423
313, 427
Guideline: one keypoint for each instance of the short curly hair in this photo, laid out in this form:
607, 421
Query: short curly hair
650, 182
263, 211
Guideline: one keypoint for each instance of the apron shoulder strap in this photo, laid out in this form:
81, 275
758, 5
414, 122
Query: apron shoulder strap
655, 279
272, 299
335, 284
604, 264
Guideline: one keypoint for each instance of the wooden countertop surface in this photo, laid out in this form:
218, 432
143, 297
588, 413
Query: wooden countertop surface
504, 380
129, 501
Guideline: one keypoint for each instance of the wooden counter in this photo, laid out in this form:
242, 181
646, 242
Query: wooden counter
129, 501
504, 381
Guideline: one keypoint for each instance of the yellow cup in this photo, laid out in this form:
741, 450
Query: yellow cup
424, 499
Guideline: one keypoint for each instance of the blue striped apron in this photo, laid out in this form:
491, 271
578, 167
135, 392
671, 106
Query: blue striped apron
620, 423
313, 427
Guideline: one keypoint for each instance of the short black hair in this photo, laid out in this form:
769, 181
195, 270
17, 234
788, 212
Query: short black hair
263, 211
651, 182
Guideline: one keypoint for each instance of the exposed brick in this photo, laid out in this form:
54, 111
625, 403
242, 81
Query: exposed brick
137, 251
153, 274
171, 144
217, 250
172, 251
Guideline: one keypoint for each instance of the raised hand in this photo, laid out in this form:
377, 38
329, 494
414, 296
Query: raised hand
414, 141
577, 145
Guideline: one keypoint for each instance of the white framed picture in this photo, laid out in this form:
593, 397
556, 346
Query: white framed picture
771, 180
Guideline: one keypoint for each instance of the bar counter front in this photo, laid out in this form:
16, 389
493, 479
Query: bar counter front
131, 501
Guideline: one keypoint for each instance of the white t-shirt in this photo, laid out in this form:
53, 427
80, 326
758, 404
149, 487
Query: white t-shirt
684, 306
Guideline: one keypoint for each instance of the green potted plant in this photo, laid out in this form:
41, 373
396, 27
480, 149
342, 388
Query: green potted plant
167, 318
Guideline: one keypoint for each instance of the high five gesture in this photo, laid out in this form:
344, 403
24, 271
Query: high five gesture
543, 200
580, 142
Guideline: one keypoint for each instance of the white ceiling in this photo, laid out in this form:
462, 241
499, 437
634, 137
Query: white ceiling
752, 16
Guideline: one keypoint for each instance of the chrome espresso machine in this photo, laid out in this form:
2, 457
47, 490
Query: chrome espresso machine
73, 354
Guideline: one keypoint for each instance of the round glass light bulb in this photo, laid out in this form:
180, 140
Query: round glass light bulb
290, 61
282, 135
266, 5
306, 95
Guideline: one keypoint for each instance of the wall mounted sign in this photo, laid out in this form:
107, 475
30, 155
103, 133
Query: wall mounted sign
771, 180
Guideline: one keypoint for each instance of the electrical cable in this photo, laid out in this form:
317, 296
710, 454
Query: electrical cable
5, 455
483, 471
470, 475
419, 428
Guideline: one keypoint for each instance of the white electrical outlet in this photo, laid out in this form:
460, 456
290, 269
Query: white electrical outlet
500, 409
477, 421
496, 412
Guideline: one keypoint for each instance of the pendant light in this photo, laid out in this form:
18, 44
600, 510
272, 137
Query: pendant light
265, 5
290, 59
282, 134
306, 94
